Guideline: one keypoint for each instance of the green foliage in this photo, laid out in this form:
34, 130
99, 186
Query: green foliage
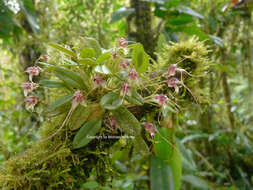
140, 58
214, 155
84, 135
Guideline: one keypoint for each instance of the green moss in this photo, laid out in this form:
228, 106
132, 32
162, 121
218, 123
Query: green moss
46, 165
191, 55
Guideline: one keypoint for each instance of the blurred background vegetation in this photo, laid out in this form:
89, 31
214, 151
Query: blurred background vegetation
215, 137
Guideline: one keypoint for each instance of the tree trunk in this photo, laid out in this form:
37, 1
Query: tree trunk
140, 26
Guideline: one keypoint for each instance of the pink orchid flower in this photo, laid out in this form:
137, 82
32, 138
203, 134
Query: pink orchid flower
174, 82
78, 99
30, 102
113, 122
124, 89
99, 80
28, 87
161, 99
133, 75
150, 128
33, 71
124, 64
45, 58
122, 42
114, 55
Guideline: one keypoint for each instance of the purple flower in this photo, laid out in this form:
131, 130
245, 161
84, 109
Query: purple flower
99, 80
33, 71
174, 82
114, 55
122, 42
113, 122
78, 99
124, 64
133, 75
45, 58
28, 87
161, 99
124, 89
171, 70
30, 102
150, 128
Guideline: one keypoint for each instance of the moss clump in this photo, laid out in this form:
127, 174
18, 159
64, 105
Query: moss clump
191, 55
46, 165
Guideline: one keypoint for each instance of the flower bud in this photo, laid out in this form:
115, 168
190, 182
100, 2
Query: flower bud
99, 80
30, 102
124, 89
28, 87
78, 99
161, 99
33, 71
122, 42
150, 128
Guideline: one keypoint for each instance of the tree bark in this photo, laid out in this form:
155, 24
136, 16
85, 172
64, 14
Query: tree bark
140, 26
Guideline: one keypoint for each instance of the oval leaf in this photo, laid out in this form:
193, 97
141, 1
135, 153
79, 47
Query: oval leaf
102, 69
51, 84
111, 101
69, 76
130, 126
91, 185
135, 98
121, 13
161, 176
63, 49
87, 61
82, 137
78, 117
61, 101
140, 58
102, 58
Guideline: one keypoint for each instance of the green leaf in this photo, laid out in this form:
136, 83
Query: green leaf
161, 176
162, 149
111, 101
69, 82
83, 136
217, 40
134, 98
87, 61
61, 101
121, 13
78, 117
103, 69
167, 151
189, 11
65, 75
27, 7
140, 58
92, 43
180, 20
102, 58
192, 30
51, 84
130, 126
106, 188
176, 166
87, 53
91, 185
196, 181
187, 159
63, 49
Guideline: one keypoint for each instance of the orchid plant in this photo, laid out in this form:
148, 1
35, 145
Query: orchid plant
118, 89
